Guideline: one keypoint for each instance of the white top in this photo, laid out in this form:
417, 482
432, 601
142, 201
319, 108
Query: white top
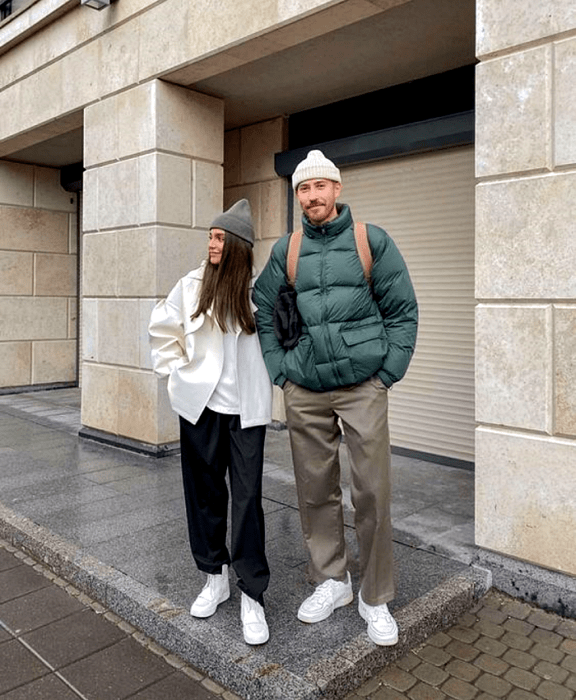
225, 398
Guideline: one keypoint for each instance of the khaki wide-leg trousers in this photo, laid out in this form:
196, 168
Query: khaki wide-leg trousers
315, 438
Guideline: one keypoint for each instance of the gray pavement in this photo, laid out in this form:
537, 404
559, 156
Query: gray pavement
111, 523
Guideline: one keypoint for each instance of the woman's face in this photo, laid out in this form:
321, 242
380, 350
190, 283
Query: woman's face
216, 245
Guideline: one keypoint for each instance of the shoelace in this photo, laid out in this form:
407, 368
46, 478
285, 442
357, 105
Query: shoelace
323, 591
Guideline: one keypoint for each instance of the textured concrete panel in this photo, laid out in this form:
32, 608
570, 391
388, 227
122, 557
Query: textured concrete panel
513, 113
137, 405
232, 158
15, 273
118, 322
16, 184
55, 275
118, 194
53, 361
90, 329
502, 24
521, 510
178, 252
272, 209
15, 364
33, 229
525, 243
513, 366
565, 369
33, 318
136, 262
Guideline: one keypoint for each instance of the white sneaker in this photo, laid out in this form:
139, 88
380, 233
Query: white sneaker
253, 621
326, 598
215, 591
382, 627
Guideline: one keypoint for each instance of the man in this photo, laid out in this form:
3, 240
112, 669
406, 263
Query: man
357, 340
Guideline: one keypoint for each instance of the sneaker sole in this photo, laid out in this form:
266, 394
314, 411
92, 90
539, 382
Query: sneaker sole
318, 618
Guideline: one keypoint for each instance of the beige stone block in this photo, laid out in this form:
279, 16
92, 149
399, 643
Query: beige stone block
262, 250
90, 200
49, 193
15, 364
16, 184
136, 106
53, 361
525, 243
33, 318
9, 124
73, 317
513, 116
118, 57
42, 97
564, 94
232, 158
165, 183
55, 275
118, 194
532, 20
145, 307
15, 273
100, 397
101, 142
565, 369
272, 209
138, 406
136, 262
83, 70
33, 229
73, 233
520, 509
513, 366
178, 252
208, 193
89, 342
99, 264
258, 144
189, 123
118, 332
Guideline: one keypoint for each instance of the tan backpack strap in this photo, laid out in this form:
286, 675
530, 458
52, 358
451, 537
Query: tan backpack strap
292, 256
363, 247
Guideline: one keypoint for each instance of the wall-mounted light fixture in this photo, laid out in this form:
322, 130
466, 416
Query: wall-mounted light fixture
96, 4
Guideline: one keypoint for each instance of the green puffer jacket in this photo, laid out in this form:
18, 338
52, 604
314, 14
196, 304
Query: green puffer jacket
348, 333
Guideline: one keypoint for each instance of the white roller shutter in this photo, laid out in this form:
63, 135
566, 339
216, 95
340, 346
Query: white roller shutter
426, 203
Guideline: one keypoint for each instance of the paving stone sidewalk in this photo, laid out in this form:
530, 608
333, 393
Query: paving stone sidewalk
57, 644
502, 648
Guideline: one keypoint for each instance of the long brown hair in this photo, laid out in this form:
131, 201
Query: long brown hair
226, 286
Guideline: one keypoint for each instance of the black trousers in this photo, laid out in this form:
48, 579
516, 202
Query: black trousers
215, 445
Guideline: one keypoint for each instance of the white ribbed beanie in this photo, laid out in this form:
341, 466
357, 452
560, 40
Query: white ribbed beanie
315, 165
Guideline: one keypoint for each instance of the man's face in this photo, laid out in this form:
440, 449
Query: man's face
318, 199
216, 245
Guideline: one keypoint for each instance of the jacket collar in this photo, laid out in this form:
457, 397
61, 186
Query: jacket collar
331, 228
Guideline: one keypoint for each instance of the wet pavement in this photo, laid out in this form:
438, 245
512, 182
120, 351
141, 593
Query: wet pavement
108, 526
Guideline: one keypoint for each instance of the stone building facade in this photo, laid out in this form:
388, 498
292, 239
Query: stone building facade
174, 109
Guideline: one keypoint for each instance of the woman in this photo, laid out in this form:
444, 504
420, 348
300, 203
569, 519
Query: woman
204, 340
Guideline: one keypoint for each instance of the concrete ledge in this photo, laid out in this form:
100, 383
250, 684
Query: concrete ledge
550, 590
163, 450
248, 673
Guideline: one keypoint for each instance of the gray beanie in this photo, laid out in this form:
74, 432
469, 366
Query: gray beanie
315, 165
237, 220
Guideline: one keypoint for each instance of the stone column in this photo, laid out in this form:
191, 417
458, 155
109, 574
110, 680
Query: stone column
153, 182
526, 281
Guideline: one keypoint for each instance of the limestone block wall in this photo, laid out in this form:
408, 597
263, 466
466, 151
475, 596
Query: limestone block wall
526, 281
38, 277
249, 172
153, 183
